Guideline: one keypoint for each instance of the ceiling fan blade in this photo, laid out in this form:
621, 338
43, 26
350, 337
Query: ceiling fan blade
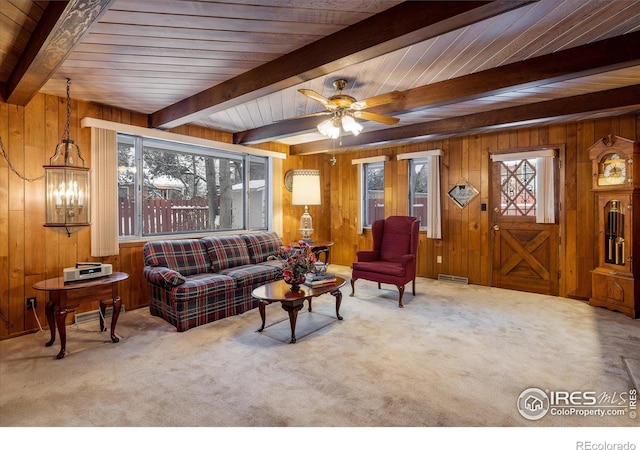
317, 97
388, 120
381, 99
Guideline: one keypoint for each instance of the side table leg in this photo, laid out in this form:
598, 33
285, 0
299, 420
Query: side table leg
338, 295
103, 311
49, 312
61, 318
117, 304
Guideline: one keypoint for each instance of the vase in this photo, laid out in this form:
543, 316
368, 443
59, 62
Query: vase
295, 282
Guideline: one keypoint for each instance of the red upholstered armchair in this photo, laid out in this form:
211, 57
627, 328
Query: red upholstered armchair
393, 258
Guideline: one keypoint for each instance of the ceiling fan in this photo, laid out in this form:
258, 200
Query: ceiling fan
344, 109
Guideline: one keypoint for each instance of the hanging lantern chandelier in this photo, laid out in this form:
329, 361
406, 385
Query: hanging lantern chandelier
67, 183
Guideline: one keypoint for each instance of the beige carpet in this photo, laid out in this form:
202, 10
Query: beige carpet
456, 355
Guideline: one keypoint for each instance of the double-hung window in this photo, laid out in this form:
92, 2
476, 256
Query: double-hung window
424, 190
370, 173
167, 187
373, 189
419, 189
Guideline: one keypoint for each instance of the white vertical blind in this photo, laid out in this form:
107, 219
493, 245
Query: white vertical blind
434, 209
545, 205
104, 189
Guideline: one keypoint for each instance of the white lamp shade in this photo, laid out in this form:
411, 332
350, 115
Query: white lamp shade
305, 187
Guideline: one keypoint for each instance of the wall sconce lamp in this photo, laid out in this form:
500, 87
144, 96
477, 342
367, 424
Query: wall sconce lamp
67, 183
305, 190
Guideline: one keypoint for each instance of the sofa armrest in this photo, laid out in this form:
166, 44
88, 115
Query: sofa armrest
367, 255
163, 276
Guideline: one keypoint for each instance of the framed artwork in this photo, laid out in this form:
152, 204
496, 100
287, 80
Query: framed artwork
462, 193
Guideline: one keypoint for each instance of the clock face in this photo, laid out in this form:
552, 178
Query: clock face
613, 170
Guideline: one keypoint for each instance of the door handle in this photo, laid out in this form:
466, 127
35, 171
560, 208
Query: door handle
496, 227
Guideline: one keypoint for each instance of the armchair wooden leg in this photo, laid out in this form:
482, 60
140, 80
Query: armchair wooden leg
379, 286
414, 287
400, 292
353, 288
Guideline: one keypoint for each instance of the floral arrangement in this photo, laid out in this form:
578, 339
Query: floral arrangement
296, 262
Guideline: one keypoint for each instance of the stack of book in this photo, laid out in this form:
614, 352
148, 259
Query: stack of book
315, 280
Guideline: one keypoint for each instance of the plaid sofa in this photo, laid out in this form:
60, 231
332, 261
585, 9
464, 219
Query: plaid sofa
191, 282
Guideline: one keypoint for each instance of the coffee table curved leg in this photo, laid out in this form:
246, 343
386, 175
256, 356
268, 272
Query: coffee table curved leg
263, 314
338, 295
293, 318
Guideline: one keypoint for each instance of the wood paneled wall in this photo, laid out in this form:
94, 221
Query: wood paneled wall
465, 247
30, 252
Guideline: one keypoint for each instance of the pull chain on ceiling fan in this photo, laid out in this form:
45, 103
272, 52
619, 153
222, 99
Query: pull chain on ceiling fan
344, 110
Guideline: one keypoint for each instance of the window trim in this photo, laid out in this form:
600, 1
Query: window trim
91, 122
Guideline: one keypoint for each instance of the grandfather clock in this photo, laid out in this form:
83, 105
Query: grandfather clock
615, 282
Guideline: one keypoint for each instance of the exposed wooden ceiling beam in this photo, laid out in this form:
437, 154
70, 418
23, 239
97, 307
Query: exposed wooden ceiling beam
398, 27
60, 28
592, 102
598, 57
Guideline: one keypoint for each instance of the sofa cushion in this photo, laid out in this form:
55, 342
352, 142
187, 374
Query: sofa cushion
163, 276
253, 274
203, 286
262, 245
226, 251
187, 256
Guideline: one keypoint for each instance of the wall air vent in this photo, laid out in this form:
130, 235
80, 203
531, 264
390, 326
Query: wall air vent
453, 278
94, 315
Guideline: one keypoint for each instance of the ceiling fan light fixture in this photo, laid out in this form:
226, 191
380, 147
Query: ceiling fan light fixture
350, 125
328, 128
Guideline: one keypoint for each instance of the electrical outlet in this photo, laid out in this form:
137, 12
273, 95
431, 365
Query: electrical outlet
439, 259
32, 303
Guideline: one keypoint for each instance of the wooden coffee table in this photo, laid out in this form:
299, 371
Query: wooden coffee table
292, 301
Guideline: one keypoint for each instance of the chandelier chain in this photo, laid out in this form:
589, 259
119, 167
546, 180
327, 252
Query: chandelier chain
66, 126
5, 155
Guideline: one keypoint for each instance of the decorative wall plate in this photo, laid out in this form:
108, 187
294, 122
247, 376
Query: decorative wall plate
288, 180
462, 193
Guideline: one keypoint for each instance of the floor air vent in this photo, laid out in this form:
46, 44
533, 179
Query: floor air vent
94, 315
453, 278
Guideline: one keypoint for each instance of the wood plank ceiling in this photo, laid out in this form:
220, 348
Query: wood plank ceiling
237, 65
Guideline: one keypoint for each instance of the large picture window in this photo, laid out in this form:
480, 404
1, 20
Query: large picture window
167, 187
